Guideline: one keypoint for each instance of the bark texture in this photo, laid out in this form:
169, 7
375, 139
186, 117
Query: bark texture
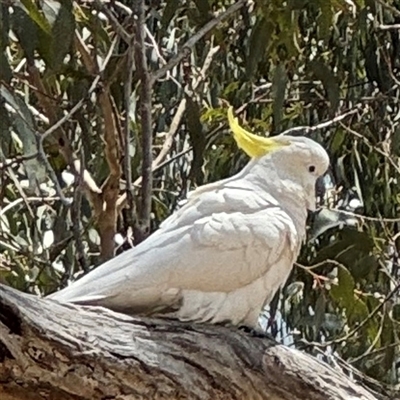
55, 351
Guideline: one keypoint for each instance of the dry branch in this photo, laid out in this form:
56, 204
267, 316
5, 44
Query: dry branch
49, 350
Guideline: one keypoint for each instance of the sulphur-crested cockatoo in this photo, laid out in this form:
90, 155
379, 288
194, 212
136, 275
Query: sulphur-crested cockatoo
223, 255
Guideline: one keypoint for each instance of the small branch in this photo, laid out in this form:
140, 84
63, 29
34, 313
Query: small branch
372, 147
389, 7
122, 199
127, 135
48, 104
43, 158
17, 184
308, 129
176, 122
361, 325
15, 161
186, 48
389, 27
73, 110
144, 209
76, 218
27, 199
104, 208
118, 28
365, 217
182, 108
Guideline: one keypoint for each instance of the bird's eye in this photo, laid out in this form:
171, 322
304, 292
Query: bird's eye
311, 168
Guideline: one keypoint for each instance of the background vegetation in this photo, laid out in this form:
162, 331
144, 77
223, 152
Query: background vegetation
110, 112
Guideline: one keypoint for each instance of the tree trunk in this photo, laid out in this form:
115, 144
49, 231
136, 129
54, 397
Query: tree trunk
56, 351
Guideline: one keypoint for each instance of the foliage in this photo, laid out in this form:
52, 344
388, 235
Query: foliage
282, 65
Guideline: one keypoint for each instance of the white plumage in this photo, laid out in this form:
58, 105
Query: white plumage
225, 253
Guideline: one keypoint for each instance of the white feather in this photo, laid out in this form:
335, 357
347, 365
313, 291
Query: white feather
223, 255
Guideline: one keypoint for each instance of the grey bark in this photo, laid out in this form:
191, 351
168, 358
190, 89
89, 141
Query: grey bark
55, 351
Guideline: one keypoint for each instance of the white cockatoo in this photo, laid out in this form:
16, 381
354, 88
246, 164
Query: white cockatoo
223, 255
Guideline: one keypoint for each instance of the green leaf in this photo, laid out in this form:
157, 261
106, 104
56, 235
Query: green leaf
5, 70
62, 33
204, 8
5, 125
319, 316
279, 82
4, 25
25, 127
328, 79
337, 141
343, 293
365, 267
396, 312
169, 12
325, 19
36, 15
395, 142
26, 31
258, 44
54, 40
197, 139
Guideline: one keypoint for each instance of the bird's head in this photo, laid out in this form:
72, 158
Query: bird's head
293, 159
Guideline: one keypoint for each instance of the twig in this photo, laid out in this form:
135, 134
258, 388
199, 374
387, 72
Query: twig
144, 209
17, 160
118, 28
309, 129
20, 200
373, 352
320, 264
138, 181
127, 135
17, 184
76, 217
371, 146
43, 158
365, 217
383, 27
389, 7
186, 48
176, 121
73, 110
361, 325
181, 109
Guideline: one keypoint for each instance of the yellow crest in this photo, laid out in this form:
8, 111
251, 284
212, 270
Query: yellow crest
253, 145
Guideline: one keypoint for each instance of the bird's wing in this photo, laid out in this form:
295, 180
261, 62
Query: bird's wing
218, 252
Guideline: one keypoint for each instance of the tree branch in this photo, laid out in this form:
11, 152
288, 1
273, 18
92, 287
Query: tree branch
71, 352
127, 136
142, 226
186, 48
105, 209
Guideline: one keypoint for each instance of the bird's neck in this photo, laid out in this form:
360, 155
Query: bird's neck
290, 195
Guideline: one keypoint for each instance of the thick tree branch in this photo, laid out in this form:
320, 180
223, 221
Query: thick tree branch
49, 350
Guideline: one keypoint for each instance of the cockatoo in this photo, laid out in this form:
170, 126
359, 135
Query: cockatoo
223, 255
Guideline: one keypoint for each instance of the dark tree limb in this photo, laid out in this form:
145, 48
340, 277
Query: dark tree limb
142, 227
54, 351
